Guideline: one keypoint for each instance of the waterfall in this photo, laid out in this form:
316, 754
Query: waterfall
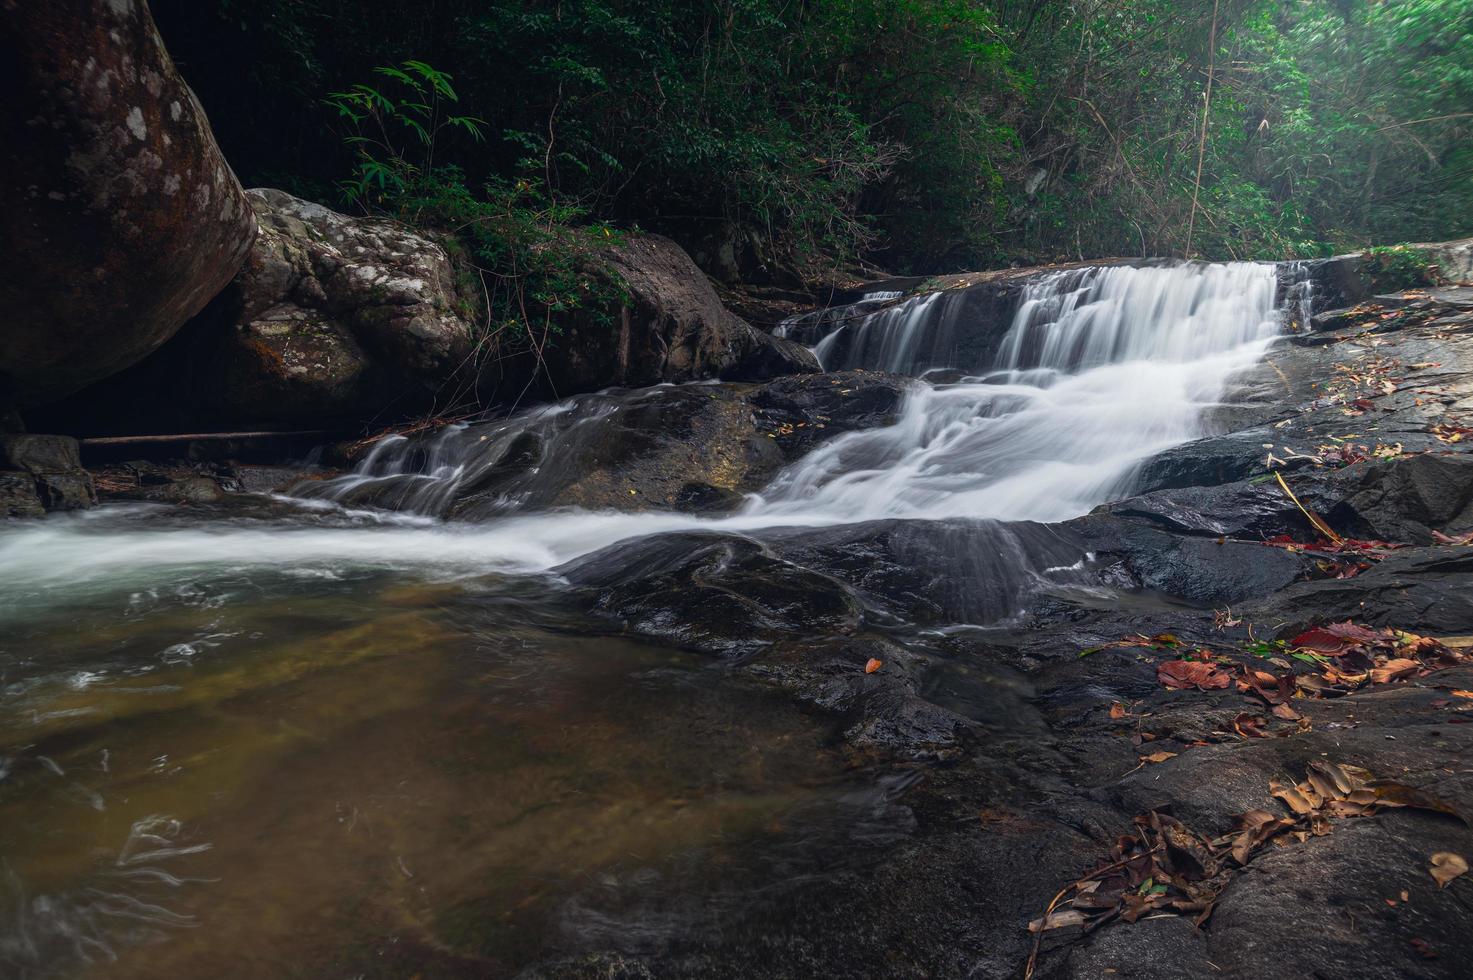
1097, 371
1085, 318
1100, 369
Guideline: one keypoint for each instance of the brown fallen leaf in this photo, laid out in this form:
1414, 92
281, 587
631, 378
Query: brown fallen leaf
873, 665
1183, 675
1287, 713
1393, 670
1250, 725
1117, 710
1158, 756
1255, 828
1295, 798
1446, 866
1385, 792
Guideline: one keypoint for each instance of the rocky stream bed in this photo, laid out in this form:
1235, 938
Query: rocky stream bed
1019, 698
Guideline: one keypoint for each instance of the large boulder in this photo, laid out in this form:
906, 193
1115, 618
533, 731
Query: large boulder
670, 327
332, 317
122, 219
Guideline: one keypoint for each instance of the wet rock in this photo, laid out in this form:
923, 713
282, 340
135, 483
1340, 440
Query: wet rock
682, 448
1303, 402
1150, 949
1404, 500
1401, 500
716, 594
802, 411
1321, 908
117, 190
40, 473
18, 496
39, 453
188, 490
1424, 590
935, 571
591, 966
885, 713
1204, 571
698, 447
1237, 510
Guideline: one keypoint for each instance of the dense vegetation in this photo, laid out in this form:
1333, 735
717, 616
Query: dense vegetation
921, 135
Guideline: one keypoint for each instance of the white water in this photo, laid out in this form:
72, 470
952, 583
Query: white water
1101, 369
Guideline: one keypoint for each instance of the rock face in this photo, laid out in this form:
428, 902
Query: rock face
42, 473
122, 219
671, 327
332, 317
335, 320
666, 448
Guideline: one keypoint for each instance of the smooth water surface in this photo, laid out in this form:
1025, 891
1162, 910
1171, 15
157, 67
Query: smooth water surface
332, 771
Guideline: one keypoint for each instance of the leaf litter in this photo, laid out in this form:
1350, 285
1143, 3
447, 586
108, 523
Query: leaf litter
1164, 867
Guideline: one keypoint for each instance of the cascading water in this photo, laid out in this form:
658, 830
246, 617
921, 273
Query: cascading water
1100, 369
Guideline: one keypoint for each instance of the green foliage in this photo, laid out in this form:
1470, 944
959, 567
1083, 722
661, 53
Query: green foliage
393, 135
1391, 268
516, 245
925, 135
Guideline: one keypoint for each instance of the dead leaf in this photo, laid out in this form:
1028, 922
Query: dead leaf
1393, 670
1293, 797
1183, 675
1158, 756
1117, 710
873, 665
1424, 948
1250, 725
1335, 638
1446, 866
1287, 713
1057, 920
1385, 792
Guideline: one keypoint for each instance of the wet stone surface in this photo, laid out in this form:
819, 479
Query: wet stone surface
877, 749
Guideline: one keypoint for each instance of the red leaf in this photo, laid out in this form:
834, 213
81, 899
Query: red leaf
1335, 638
1184, 675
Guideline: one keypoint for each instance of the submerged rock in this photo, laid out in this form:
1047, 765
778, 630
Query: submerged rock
122, 217
714, 593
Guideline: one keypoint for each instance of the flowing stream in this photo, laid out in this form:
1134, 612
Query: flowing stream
259, 741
